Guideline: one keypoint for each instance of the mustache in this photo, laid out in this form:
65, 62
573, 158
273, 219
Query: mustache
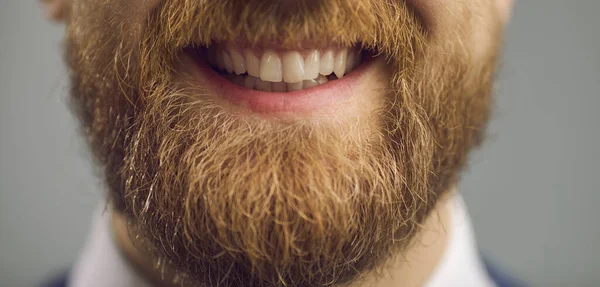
383, 27
383, 24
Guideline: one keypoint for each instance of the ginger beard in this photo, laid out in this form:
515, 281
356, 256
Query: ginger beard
230, 199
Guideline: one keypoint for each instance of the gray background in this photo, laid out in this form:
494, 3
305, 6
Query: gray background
533, 191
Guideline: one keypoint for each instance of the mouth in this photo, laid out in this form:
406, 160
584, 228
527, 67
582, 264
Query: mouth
274, 81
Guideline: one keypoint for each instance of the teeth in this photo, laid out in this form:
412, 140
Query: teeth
293, 67
239, 65
279, 87
238, 80
280, 72
252, 64
231, 78
307, 84
270, 67
350, 61
311, 65
322, 80
249, 82
295, 86
227, 62
263, 86
340, 63
326, 66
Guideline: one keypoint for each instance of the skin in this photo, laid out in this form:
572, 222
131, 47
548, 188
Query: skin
429, 244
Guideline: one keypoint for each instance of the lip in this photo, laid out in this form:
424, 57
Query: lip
324, 96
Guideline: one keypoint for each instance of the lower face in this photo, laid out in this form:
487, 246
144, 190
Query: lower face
279, 142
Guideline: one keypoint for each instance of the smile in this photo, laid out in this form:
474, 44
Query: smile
273, 81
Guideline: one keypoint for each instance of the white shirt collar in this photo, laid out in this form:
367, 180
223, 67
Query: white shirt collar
461, 264
102, 265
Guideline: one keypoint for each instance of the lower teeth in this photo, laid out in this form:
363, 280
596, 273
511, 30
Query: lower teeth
250, 82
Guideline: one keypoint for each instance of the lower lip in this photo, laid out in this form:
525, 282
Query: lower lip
324, 96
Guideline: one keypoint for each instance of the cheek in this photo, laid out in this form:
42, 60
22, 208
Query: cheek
504, 8
123, 20
427, 10
475, 22
130, 13
437, 14
138, 8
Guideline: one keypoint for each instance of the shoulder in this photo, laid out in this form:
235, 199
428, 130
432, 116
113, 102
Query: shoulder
499, 277
58, 281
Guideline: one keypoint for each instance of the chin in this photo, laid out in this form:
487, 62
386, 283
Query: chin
302, 148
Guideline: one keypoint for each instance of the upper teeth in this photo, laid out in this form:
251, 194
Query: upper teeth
288, 66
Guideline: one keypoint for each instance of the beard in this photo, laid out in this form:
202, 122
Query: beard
236, 200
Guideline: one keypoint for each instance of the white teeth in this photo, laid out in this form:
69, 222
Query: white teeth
249, 82
281, 72
294, 87
322, 80
293, 67
350, 61
339, 67
326, 65
231, 78
279, 87
307, 84
239, 65
311, 65
227, 62
252, 64
263, 86
270, 67
238, 80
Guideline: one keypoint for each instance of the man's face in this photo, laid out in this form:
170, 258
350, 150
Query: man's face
271, 142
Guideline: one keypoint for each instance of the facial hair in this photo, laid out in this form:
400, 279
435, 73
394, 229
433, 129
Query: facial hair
230, 200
